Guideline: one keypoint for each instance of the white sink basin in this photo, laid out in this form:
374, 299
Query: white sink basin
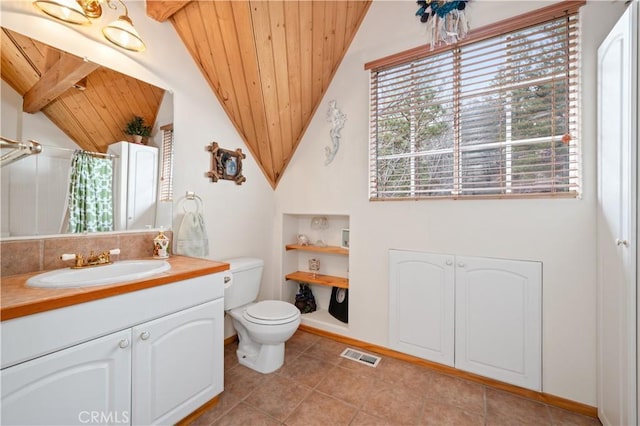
121, 271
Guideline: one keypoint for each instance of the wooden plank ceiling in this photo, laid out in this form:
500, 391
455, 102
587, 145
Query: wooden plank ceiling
268, 62
93, 112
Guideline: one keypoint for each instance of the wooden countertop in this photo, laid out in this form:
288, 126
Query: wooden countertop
20, 300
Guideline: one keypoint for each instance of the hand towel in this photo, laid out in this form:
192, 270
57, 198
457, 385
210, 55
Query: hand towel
192, 237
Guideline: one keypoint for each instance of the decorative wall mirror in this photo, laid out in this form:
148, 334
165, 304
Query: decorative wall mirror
226, 164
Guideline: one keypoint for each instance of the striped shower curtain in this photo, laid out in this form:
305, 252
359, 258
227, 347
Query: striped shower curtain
90, 193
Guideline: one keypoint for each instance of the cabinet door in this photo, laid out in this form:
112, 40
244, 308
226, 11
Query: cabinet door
87, 383
422, 304
498, 319
177, 363
617, 218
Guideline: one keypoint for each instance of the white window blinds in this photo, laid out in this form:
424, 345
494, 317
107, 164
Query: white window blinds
166, 172
496, 117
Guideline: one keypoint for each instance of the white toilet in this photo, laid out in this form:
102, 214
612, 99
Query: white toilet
262, 327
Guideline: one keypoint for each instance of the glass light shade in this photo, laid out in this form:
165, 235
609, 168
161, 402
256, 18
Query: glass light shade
121, 33
65, 10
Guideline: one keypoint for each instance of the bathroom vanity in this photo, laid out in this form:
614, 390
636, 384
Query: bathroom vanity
142, 352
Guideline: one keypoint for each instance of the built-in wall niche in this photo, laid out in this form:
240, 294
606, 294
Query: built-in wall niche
334, 263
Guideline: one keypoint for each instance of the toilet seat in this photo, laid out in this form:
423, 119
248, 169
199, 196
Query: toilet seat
271, 312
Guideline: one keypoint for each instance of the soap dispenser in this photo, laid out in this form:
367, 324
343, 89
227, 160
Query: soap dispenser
161, 246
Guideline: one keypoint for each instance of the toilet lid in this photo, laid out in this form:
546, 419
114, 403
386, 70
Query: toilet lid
271, 312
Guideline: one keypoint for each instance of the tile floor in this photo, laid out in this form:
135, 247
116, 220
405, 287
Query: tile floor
318, 387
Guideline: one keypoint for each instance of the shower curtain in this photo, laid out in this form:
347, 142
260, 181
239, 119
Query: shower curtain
90, 193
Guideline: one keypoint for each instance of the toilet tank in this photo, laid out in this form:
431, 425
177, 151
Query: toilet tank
246, 274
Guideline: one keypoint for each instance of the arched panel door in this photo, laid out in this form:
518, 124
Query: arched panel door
499, 319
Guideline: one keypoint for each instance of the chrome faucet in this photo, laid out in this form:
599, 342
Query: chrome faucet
93, 259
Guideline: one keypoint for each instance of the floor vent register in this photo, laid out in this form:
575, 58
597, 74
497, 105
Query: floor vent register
361, 357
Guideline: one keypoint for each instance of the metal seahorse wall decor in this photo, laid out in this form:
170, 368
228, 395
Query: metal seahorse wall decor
337, 120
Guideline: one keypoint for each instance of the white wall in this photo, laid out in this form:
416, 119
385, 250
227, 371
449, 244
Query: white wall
560, 233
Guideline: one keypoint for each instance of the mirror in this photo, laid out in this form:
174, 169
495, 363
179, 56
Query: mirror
66, 104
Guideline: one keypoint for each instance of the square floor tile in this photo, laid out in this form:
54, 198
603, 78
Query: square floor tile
503, 407
241, 380
244, 415
278, 396
347, 385
226, 402
440, 414
306, 370
402, 373
321, 410
301, 341
457, 392
327, 350
396, 404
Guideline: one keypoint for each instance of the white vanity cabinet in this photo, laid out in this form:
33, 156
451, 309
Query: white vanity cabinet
147, 357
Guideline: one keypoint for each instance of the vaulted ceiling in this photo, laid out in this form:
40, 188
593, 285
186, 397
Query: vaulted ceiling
268, 62
89, 103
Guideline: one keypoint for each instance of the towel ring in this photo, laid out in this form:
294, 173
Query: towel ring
191, 196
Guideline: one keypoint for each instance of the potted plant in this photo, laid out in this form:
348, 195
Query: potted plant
137, 129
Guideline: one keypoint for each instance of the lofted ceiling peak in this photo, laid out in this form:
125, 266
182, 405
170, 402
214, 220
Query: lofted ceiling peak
268, 62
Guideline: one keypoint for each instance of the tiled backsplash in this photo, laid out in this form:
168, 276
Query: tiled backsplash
32, 255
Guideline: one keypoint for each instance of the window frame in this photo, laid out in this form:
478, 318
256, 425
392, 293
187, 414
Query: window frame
502, 28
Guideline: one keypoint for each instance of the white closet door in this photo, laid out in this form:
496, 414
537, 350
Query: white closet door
498, 319
422, 304
617, 157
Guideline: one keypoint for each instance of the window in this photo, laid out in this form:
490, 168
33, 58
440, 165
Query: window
166, 171
492, 116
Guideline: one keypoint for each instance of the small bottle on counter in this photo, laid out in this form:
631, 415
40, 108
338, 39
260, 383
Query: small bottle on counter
161, 246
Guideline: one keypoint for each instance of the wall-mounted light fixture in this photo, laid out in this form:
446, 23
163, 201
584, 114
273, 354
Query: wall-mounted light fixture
120, 32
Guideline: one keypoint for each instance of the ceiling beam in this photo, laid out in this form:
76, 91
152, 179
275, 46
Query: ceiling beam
58, 79
161, 10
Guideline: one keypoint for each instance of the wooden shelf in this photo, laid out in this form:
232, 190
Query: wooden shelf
328, 280
318, 249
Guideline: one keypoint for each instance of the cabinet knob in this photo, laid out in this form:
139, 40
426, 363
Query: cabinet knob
461, 265
449, 262
124, 343
145, 335
620, 242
